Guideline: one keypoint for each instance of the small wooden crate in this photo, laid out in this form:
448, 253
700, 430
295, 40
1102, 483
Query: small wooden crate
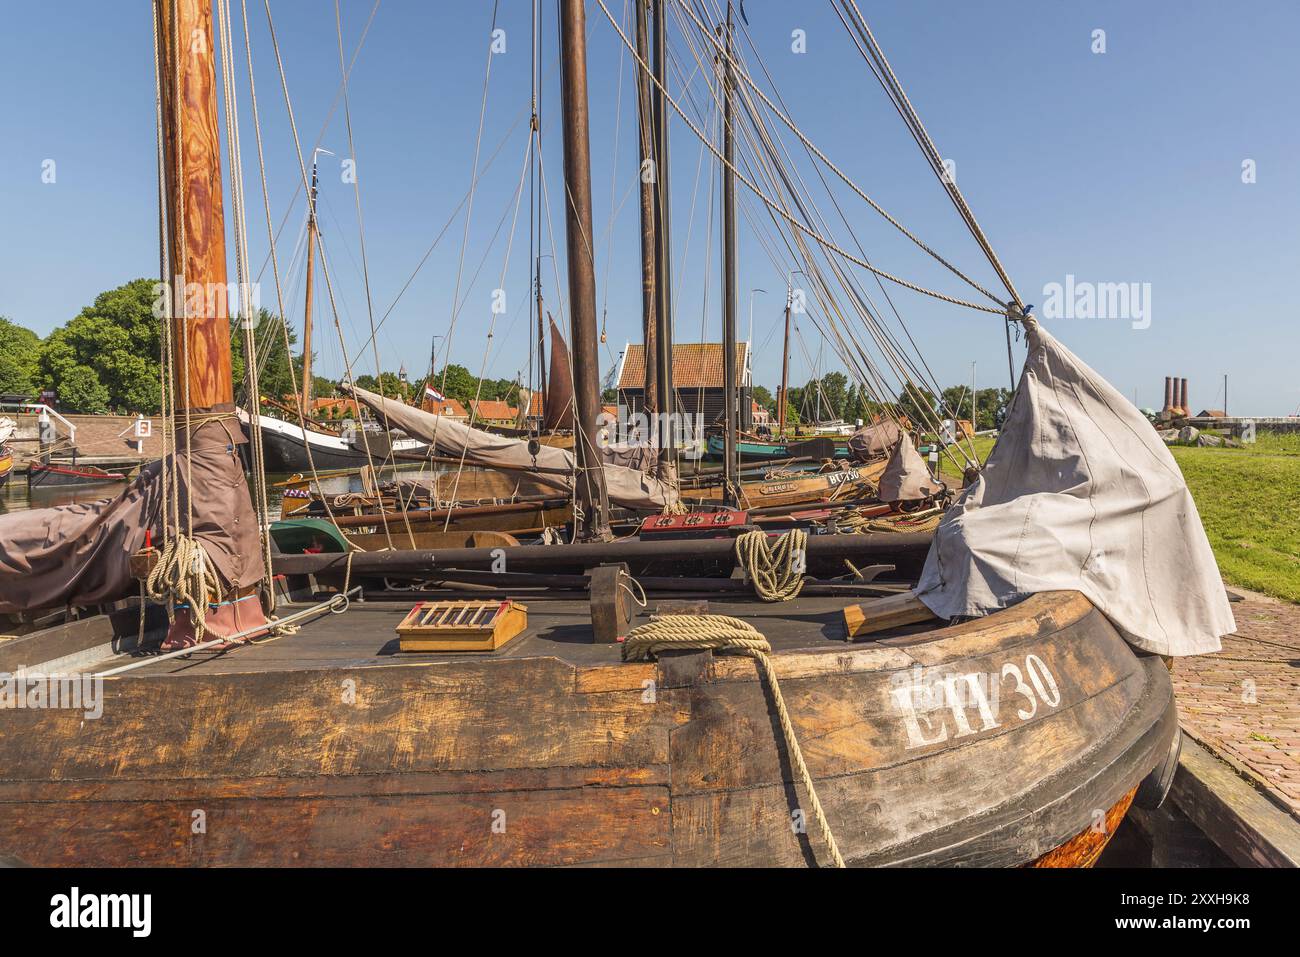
461, 625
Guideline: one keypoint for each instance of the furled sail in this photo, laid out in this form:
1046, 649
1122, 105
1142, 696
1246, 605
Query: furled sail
627, 487
77, 554
558, 407
1080, 493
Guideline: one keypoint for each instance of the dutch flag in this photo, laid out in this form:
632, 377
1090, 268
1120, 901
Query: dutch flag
434, 394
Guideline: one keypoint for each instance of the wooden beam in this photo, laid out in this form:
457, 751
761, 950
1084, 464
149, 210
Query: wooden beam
885, 613
1244, 823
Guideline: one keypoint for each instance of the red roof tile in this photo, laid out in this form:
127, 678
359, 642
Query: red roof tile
696, 365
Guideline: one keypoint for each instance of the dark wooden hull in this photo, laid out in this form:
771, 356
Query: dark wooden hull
57, 476
286, 451
571, 757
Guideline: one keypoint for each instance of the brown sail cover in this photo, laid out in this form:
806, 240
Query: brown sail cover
1080, 494
907, 478
874, 440
558, 408
78, 554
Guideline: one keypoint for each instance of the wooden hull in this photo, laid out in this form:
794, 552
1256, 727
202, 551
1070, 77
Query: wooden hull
754, 450
6, 466
556, 759
844, 486
56, 476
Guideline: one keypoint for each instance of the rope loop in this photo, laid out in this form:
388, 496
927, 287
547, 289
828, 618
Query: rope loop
776, 571
723, 633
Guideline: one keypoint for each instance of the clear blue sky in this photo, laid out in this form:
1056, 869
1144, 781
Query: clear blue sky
1119, 167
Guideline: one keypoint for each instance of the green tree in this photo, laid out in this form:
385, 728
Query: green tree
835, 393
918, 404
20, 354
106, 359
278, 376
990, 404
763, 396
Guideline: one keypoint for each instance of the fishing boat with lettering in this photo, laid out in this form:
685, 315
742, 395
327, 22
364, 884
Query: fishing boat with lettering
47, 474
992, 691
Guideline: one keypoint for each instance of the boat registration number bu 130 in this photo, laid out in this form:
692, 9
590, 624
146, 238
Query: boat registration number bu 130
836, 479
937, 705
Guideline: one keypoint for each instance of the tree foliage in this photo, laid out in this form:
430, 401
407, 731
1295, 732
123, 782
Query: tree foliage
20, 355
106, 359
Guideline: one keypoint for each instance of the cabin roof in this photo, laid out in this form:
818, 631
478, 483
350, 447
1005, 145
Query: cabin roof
1212, 414
696, 365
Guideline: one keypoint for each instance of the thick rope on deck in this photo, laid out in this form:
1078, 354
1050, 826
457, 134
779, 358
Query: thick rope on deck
776, 571
724, 634
186, 575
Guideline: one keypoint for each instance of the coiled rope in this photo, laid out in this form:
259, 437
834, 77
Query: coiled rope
184, 574
723, 633
776, 571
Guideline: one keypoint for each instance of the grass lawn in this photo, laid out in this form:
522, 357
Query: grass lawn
1249, 500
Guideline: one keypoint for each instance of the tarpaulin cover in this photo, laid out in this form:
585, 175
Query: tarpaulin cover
907, 478
78, 554
1080, 493
873, 440
630, 488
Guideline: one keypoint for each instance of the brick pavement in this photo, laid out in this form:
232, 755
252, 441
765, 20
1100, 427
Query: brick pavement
1244, 701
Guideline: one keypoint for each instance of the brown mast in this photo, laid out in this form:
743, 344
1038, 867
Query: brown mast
305, 392
592, 498
197, 240
785, 361
648, 175
217, 511
730, 417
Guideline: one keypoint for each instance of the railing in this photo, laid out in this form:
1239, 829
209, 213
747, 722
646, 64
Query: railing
40, 407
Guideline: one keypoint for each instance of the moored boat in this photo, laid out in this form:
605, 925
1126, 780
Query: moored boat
49, 475
285, 447
554, 736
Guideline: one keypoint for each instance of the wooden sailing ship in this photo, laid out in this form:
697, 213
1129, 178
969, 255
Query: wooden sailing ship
1017, 738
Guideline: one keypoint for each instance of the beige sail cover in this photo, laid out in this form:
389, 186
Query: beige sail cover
1080, 493
627, 487
907, 478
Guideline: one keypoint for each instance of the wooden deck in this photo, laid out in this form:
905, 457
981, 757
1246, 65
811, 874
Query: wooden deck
558, 628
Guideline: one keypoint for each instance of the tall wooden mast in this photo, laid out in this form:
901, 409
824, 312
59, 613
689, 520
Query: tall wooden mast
195, 217
785, 360
218, 513
730, 421
648, 176
663, 249
305, 392
592, 497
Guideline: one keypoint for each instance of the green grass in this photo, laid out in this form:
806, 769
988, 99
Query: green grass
1249, 500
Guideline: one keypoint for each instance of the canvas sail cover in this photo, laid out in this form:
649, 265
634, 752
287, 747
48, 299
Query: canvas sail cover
874, 440
630, 488
77, 554
907, 478
1080, 493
